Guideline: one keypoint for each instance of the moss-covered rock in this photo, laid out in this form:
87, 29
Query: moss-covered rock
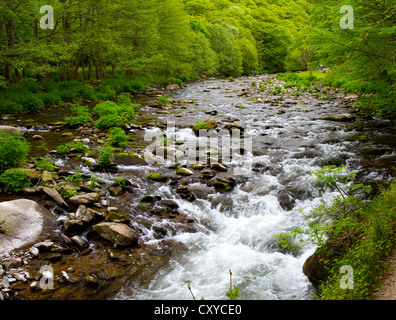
157, 177
205, 125
184, 172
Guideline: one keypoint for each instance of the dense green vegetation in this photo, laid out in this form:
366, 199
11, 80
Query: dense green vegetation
131, 44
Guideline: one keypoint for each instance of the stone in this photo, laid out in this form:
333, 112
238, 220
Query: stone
347, 117
169, 203
218, 167
184, 172
47, 177
37, 137
13, 130
52, 193
84, 214
114, 216
117, 233
79, 241
85, 199
73, 227
204, 125
23, 222
172, 86
157, 177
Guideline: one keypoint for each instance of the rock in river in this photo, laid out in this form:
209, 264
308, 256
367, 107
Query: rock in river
85, 199
12, 130
117, 233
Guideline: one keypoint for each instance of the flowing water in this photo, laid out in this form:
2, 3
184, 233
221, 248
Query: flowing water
234, 230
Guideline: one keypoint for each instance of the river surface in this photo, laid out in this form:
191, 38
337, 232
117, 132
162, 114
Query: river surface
235, 230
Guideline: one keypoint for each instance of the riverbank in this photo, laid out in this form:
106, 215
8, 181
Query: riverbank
294, 133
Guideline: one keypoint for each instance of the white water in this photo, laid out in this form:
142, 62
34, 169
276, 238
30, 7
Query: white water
236, 229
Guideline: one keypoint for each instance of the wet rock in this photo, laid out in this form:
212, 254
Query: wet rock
204, 125
37, 137
117, 233
79, 241
172, 86
185, 193
221, 186
169, 204
84, 214
218, 167
51, 256
157, 177
184, 172
347, 117
84, 199
73, 227
114, 216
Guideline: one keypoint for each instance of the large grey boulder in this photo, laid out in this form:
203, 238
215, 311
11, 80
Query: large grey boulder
117, 233
12, 130
23, 222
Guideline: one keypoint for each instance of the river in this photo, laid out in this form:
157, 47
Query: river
235, 230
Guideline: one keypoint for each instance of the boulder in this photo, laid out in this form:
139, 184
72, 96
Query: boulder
218, 167
23, 222
184, 172
84, 199
12, 130
204, 125
117, 233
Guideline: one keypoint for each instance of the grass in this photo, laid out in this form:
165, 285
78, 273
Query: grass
316, 73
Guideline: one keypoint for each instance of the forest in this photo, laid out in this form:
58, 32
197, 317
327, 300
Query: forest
132, 44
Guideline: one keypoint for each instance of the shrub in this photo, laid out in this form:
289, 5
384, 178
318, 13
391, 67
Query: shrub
118, 138
15, 180
50, 99
107, 121
44, 164
78, 146
10, 107
105, 108
81, 118
14, 150
124, 99
30, 102
106, 155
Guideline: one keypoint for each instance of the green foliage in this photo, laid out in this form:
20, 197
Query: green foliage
44, 164
76, 146
114, 115
14, 150
233, 292
76, 178
81, 118
106, 156
15, 180
164, 100
118, 138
